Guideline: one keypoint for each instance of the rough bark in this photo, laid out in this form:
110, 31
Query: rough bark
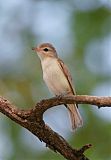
32, 120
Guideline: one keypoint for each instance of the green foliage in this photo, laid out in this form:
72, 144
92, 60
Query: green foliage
91, 25
22, 84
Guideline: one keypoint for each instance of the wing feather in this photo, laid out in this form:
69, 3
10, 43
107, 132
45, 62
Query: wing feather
67, 74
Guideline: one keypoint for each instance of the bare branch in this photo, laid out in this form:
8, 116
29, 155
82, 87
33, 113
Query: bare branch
79, 99
33, 121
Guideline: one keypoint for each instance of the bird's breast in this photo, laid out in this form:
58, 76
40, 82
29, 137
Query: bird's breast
54, 77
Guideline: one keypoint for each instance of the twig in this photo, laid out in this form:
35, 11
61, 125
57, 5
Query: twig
79, 99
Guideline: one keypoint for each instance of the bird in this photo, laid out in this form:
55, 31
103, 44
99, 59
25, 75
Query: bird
58, 79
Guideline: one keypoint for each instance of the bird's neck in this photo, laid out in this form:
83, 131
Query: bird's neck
48, 61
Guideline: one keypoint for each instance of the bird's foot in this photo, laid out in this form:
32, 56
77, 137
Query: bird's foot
60, 96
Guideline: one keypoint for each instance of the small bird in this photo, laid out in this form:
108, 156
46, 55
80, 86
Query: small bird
58, 79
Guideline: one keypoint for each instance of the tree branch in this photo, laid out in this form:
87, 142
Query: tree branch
33, 121
79, 99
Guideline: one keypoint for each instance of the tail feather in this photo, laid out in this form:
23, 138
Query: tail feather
75, 117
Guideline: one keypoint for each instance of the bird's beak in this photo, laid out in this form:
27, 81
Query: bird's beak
35, 49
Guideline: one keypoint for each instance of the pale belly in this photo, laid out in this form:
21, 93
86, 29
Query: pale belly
55, 78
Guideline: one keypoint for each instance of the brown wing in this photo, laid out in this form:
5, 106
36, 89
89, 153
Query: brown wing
76, 119
67, 74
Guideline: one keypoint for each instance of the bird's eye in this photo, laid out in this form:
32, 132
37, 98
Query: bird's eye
45, 49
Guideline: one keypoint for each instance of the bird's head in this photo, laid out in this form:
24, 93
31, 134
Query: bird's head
45, 50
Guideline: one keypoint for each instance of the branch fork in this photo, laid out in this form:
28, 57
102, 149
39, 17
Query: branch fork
32, 120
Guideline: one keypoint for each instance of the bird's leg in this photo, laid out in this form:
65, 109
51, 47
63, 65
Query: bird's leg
59, 96
63, 94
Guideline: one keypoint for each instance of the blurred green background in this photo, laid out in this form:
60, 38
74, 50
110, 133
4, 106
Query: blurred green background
81, 32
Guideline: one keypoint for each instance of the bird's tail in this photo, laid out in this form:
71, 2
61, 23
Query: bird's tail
75, 117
